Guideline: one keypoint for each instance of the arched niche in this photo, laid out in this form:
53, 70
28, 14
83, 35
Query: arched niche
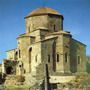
54, 55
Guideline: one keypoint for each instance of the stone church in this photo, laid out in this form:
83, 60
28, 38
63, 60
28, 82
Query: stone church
45, 42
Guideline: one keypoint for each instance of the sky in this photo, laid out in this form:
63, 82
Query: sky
12, 23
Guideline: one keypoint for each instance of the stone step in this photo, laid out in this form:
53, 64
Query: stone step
11, 80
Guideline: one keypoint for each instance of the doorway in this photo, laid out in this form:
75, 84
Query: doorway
9, 70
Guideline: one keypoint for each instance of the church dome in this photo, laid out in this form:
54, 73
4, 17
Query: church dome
43, 11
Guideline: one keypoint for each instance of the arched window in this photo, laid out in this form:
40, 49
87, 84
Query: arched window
20, 64
57, 57
49, 58
30, 49
19, 53
36, 58
54, 49
78, 59
30, 54
66, 57
16, 55
29, 29
54, 27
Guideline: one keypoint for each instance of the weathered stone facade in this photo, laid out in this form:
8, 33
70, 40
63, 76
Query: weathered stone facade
45, 42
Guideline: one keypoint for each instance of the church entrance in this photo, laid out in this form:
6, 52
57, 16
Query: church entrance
9, 70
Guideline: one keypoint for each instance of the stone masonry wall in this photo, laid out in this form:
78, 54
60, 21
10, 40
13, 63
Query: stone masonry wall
23, 44
35, 22
78, 49
11, 54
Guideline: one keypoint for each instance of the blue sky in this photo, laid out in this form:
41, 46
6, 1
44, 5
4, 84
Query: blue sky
12, 12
